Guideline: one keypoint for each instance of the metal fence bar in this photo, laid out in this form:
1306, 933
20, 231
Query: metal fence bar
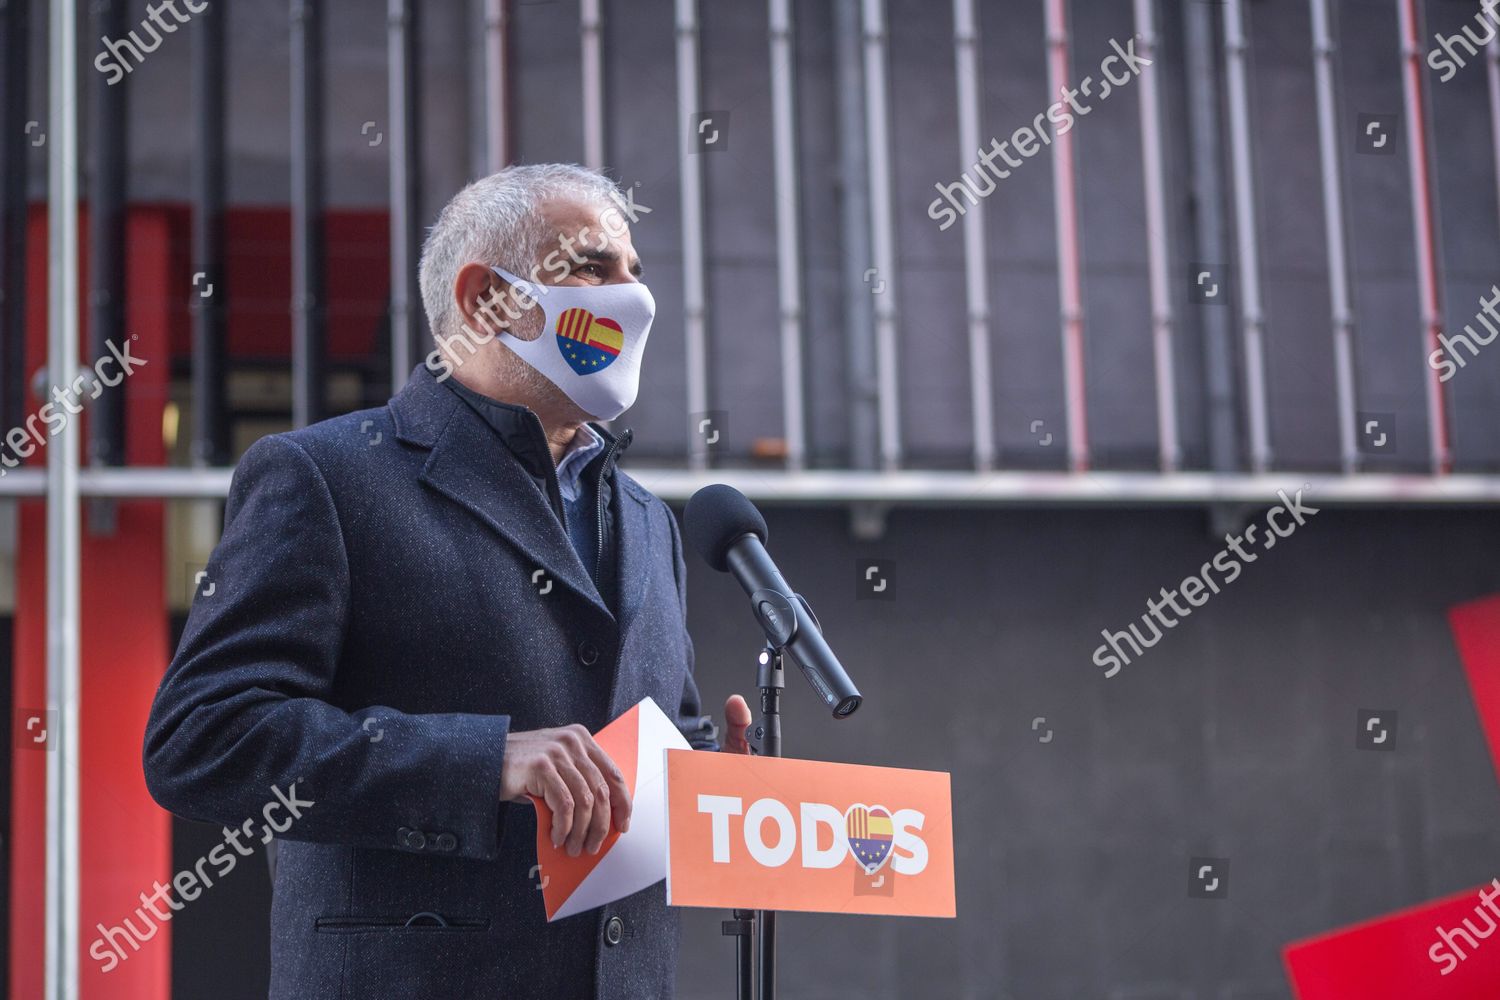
106, 227
853, 185
882, 229
1158, 249
1253, 322
476, 87
976, 274
1069, 255
1208, 234
15, 50
591, 59
1424, 225
1326, 69
405, 169
497, 82
694, 305
788, 241
64, 566
929, 488
207, 309
1492, 63
309, 313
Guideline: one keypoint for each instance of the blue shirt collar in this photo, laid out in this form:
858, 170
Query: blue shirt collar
585, 445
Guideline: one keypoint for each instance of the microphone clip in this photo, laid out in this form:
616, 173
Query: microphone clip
777, 617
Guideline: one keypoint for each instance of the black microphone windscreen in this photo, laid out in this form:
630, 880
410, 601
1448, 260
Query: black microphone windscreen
715, 518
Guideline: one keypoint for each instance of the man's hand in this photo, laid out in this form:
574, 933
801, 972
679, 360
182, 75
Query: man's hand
736, 722
575, 777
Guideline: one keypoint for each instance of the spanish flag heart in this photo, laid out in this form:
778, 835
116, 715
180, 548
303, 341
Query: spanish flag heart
588, 342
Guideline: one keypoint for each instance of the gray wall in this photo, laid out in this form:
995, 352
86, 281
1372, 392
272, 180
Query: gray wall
1234, 737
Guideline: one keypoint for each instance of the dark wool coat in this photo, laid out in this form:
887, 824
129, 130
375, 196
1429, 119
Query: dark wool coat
377, 627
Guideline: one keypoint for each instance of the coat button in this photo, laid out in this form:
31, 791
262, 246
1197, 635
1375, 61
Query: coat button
614, 931
588, 653
446, 842
416, 840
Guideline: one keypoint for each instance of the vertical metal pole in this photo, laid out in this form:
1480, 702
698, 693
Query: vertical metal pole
788, 243
1340, 301
1069, 255
976, 275
694, 304
1492, 61
210, 292
309, 334
401, 66
1208, 231
854, 239
106, 226
771, 679
1424, 225
497, 81
1158, 249
765, 947
882, 230
63, 553
1236, 47
476, 82
15, 31
591, 58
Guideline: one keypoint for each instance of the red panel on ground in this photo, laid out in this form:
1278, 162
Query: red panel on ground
1390, 958
1406, 954
125, 839
1476, 631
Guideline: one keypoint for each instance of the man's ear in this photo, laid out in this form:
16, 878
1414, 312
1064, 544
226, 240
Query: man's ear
484, 301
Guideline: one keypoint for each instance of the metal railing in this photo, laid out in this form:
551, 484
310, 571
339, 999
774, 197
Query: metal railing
875, 213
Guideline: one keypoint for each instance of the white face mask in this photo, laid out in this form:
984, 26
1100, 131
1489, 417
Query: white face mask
592, 343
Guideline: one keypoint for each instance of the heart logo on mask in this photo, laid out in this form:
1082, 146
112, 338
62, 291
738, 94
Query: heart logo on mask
869, 831
588, 343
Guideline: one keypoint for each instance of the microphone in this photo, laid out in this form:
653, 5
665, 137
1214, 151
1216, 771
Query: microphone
724, 527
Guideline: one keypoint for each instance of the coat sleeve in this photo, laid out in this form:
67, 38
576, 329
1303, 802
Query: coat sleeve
244, 712
699, 729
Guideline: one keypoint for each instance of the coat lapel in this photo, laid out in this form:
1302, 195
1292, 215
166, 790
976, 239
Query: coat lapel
469, 465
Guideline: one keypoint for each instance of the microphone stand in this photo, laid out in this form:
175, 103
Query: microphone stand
754, 931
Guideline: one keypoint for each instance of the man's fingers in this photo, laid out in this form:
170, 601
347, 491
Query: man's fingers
583, 805
737, 719
560, 800
582, 786
598, 826
618, 791
595, 766
736, 710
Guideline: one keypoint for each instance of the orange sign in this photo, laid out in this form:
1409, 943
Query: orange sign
781, 834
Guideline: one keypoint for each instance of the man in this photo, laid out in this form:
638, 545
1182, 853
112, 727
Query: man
420, 612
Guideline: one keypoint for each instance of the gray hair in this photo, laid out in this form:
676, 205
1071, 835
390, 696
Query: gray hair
498, 220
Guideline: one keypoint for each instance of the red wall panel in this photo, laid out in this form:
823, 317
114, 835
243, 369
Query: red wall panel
125, 838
